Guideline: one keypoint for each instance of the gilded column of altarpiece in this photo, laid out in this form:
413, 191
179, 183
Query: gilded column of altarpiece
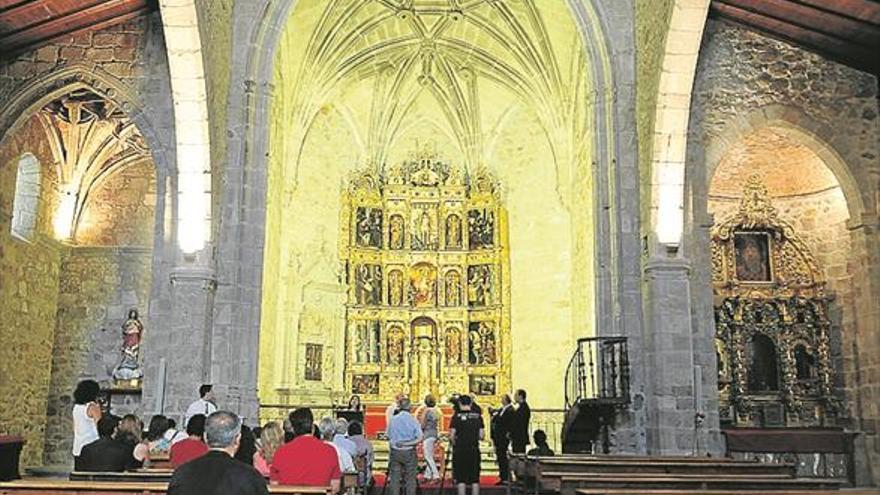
771, 321
424, 247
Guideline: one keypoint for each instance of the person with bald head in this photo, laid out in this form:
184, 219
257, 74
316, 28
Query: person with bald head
217, 472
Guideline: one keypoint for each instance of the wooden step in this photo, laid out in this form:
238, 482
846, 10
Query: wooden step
668, 467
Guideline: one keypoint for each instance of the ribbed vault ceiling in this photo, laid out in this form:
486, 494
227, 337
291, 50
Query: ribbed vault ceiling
391, 65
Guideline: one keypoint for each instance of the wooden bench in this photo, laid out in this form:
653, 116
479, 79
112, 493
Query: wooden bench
349, 480
569, 483
67, 487
617, 491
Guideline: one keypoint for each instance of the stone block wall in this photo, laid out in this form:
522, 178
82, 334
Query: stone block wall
745, 82
97, 287
28, 292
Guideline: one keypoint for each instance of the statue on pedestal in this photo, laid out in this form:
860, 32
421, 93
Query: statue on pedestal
132, 333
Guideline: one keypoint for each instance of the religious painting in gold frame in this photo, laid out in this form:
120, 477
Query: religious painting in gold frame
752, 256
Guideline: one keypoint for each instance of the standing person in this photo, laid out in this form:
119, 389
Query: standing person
519, 434
192, 447
217, 473
502, 420
203, 405
86, 414
305, 460
430, 420
465, 432
392, 409
404, 433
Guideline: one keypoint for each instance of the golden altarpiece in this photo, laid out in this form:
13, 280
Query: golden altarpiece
771, 321
424, 248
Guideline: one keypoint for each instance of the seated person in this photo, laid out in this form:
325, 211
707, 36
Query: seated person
217, 472
106, 454
341, 440
305, 460
542, 448
271, 439
327, 427
364, 458
129, 433
192, 447
172, 434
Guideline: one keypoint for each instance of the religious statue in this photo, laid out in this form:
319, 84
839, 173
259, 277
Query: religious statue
479, 285
395, 288
453, 231
422, 282
395, 234
367, 344
475, 343
314, 361
369, 227
481, 229
132, 333
453, 346
423, 237
487, 336
395, 346
452, 283
368, 284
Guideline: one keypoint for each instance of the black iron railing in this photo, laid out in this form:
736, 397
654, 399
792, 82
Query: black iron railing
598, 370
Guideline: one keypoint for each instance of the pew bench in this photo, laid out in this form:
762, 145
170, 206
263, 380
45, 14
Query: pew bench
569, 483
35, 486
624, 491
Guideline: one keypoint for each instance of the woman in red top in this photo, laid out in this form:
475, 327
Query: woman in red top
193, 447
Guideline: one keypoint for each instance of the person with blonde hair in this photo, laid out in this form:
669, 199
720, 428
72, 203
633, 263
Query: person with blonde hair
271, 438
429, 419
130, 432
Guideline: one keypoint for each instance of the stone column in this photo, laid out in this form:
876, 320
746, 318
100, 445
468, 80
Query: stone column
865, 405
669, 357
184, 343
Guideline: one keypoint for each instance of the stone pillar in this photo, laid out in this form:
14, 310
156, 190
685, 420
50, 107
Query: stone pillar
669, 357
865, 355
184, 343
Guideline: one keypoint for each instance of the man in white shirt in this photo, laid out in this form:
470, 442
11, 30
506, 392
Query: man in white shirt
204, 405
391, 410
340, 439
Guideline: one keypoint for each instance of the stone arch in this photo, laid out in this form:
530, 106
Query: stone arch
614, 194
180, 25
801, 129
671, 119
39, 91
27, 194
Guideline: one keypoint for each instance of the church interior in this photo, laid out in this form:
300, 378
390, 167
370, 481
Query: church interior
660, 218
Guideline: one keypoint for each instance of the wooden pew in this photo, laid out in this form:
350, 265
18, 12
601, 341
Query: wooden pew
35, 486
618, 491
569, 483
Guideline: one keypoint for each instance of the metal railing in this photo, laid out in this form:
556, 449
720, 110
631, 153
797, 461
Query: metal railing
598, 370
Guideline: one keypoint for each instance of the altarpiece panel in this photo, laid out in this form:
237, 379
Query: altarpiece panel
771, 321
424, 250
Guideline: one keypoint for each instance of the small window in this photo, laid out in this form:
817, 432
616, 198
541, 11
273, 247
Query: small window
27, 194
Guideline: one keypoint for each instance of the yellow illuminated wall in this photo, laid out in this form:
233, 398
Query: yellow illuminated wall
499, 84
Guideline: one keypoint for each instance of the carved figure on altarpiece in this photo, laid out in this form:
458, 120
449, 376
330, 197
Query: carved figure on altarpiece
424, 228
365, 384
452, 285
423, 285
368, 284
367, 341
395, 288
481, 343
396, 231
368, 223
480, 285
396, 339
453, 232
453, 345
481, 228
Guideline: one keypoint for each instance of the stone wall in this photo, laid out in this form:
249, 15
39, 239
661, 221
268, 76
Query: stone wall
746, 82
97, 287
121, 210
28, 293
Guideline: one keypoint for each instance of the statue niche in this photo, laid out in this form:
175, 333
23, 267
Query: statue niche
436, 263
128, 372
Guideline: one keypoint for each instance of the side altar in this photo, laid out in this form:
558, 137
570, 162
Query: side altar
425, 256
